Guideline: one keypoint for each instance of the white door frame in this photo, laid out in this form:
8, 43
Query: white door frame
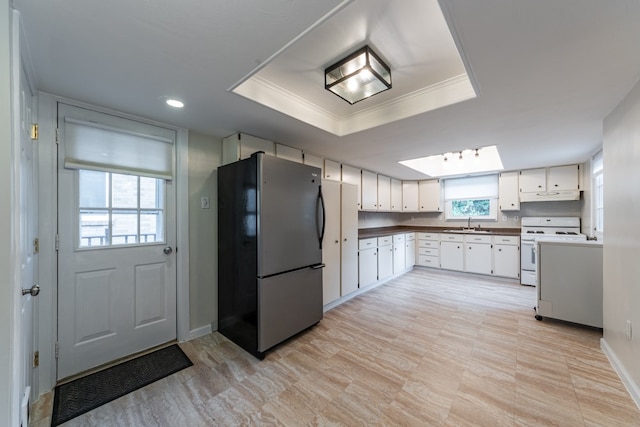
48, 316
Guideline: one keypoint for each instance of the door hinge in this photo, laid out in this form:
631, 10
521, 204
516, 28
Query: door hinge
36, 359
57, 242
34, 131
36, 246
57, 350
57, 136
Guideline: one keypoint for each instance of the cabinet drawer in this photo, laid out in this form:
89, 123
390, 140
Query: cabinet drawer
367, 243
398, 238
471, 238
428, 244
452, 237
410, 236
429, 261
428, 251
506, 240
385, 240
428, 236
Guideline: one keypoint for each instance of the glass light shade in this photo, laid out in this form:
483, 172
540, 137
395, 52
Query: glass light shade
359, 76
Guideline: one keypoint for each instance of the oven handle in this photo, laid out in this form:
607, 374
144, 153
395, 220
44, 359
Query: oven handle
533, 254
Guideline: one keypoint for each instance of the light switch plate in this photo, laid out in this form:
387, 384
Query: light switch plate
204, 202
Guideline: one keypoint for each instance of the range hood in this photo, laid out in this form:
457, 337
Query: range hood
549, 196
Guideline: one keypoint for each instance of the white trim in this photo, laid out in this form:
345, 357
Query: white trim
182, 234
629, 383
200, 332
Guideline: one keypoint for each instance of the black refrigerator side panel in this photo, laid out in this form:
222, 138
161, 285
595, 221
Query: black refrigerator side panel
237, 253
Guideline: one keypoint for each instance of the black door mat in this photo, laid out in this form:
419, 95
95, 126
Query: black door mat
84, 394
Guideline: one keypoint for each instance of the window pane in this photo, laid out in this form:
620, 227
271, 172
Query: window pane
151, 226
124, 191
94, 228
471, 208
151, 193
94, 189
125, 227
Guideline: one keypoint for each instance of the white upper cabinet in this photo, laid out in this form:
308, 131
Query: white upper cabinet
288, 153
369, 191
352, 175
430, 196
311, 160
332, 170
410, 196
533, 180
508, 191
241, 146
564, 178
384, 193
396, 195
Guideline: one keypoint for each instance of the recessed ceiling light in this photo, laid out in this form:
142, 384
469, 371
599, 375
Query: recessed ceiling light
175, 103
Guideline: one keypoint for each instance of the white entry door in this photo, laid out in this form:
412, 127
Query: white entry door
116, 226
27, 246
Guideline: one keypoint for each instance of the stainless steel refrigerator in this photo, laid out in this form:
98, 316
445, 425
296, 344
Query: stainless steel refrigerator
270, 230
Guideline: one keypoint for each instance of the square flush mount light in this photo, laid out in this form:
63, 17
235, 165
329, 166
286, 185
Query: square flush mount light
358, 76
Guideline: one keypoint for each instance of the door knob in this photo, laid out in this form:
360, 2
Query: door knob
167, 250
33, 291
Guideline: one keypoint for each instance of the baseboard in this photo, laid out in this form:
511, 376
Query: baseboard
626, 379
199, 332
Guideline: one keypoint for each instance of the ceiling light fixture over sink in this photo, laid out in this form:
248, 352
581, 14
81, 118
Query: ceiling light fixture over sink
469, 161
358, 76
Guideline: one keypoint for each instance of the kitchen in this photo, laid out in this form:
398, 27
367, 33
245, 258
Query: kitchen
205, 151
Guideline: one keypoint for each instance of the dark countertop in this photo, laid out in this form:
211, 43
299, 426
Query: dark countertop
364, 233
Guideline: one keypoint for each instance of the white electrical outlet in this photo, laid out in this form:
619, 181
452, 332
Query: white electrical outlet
515, 218
204, 202
504, 217
628, 331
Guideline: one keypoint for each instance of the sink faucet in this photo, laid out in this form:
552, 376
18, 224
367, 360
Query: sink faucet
469, 223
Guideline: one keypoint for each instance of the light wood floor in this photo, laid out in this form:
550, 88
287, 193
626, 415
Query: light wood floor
429, 348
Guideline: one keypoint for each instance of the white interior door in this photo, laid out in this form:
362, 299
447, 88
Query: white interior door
116, 259
27, 247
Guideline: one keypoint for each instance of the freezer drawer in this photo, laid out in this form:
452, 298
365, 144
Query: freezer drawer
287, 304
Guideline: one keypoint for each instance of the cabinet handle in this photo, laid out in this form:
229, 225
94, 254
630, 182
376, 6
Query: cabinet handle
345, 240
338, 241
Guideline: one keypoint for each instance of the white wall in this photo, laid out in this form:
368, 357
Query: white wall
621, 153
205, 155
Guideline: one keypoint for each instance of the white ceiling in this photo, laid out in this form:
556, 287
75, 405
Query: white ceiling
546, 72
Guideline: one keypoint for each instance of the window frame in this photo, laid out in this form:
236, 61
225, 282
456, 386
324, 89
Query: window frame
490, 193
597, 195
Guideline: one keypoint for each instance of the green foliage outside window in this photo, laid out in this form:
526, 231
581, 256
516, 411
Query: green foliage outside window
471, 208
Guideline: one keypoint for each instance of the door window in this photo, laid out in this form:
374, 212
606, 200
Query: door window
116, 209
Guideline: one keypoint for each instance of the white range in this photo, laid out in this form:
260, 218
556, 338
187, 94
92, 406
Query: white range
544, 228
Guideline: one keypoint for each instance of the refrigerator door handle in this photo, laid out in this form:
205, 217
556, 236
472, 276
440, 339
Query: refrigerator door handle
318, 266
324, 220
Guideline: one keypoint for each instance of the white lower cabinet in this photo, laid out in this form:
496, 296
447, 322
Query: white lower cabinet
452, 255
398, 253
367, 262
428, 249
409, 250
477, 254
385, 257
506, 256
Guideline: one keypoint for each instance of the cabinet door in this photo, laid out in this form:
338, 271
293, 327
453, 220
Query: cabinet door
367, 266
251, 144
349, 233
452, 255
506, 261
384, 193
331, 256
410, 196
398, 257
332, 170
288, 153
409, 253
385, 261
477, 258
353, 176
563, 178
369, 191
508, 191
396, 195
533, 180
429, 195
311, 160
